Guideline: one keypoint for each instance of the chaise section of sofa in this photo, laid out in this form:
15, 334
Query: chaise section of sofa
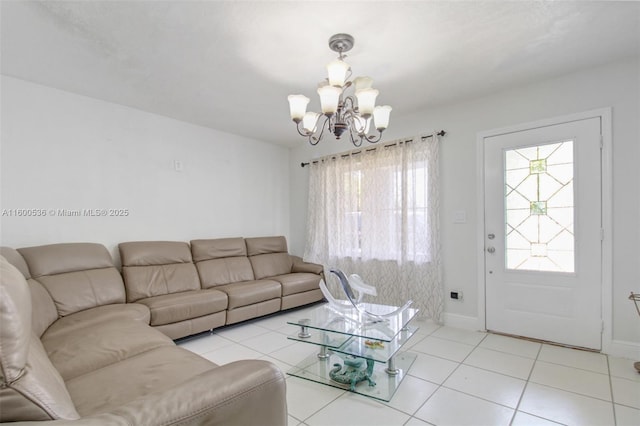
125, 372
300, 280
90, 321
161, 275
223, 265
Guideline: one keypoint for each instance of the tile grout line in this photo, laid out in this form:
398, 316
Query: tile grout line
441, 385
215, 349
498, 372
411, 416
526, 384
490, 371
438, 384
613, 403
261, 352
566, 390
324, 406
577, 368
572, 392
448, 359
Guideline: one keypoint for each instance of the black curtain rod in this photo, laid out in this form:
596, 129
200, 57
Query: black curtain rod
440, 133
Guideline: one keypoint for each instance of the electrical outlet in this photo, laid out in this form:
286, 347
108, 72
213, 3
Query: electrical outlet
456, 295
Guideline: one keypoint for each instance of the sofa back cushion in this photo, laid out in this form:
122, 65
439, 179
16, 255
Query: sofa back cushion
154, 268
30, 387
77, 276
44, 311
268, 256
13, 257
221, 261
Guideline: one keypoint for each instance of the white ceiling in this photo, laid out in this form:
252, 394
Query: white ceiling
229, 65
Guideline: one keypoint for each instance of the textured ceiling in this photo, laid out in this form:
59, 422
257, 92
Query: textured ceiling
229, 65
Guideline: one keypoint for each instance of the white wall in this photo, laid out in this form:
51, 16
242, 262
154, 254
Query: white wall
64, 151
614, 85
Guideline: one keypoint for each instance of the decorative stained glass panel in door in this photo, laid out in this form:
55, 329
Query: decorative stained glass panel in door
539, 208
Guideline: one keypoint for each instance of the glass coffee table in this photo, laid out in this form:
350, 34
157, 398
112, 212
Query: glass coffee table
352, 336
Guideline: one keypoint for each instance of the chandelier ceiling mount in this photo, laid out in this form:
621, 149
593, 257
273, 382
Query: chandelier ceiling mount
341, 43
343, 112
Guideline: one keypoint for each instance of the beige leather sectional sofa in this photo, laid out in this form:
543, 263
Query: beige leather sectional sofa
83, 343
190, 288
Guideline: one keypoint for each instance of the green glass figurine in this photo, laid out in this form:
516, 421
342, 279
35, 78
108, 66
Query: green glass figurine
352, 373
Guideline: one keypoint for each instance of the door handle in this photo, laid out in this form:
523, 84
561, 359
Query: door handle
491, 250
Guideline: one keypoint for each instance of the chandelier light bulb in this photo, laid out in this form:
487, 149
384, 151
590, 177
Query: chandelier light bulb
297, 106
366, 101
363, 83
310, 121
329, 99
337, 71
381, 116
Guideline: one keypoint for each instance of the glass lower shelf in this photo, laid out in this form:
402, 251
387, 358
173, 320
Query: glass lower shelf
317, 370
377, 350
322, 338
366, 348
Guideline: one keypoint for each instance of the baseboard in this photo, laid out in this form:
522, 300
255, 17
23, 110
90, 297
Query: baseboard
461, 321
622, 349
617, 348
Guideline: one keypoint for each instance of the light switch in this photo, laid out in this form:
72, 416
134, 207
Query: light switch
177, 165
460, 216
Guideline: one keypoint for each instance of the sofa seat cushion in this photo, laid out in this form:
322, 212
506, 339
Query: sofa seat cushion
115, 385
298, 282
90, 317
176, 307
250, 292
83, 349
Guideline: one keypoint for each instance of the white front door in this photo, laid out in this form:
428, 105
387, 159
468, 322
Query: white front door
543, 233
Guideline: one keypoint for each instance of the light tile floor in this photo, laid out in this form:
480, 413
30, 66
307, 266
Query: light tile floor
460, 377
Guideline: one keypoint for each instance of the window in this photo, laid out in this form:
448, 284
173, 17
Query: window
375, 213
539, 208
375, 204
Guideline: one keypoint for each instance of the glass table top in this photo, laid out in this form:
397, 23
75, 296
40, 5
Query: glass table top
353, 323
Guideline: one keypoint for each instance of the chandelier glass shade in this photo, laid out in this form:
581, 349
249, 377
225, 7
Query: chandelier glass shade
343, 109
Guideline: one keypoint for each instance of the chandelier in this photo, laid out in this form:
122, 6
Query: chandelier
343, 112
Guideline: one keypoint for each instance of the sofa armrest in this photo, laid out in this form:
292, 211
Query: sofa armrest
300, 265
248, 392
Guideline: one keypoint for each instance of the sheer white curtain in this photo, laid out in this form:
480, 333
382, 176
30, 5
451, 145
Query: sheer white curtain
375, 213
